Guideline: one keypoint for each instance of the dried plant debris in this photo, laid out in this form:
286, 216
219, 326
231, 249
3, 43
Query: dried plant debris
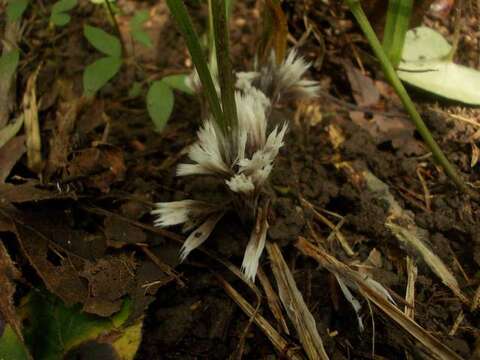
379, 296
243, 158
59, 255
402, 225
295, 306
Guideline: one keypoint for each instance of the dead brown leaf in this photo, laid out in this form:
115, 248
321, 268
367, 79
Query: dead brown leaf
10, 153
8, 274
98, 167
363, 88
398, 130
109, 279
120, 233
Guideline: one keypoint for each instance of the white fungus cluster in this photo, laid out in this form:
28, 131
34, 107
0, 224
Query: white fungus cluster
243, 158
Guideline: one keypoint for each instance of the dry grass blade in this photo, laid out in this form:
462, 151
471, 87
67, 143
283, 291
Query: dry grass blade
283, 346
272, 299
295, 306
32, 128
341, 239
412, 272
411, 235
356, 279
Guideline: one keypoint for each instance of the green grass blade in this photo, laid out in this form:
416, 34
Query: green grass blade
396, 27
225, 72
392, 77
179, 12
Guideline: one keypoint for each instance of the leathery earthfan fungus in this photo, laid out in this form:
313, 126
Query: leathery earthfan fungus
242, 157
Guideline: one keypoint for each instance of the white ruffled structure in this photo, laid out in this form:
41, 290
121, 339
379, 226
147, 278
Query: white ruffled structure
243, 158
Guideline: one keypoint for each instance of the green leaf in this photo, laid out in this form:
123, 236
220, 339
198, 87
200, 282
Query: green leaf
179, 12
427, 67
139, 19
97, 74
135, 90
10, 130
60, 19
53, 328
63, 6
9, 63
178, 82
15, 9
103, 41
160, 103
11, 347
136, 28
142, 37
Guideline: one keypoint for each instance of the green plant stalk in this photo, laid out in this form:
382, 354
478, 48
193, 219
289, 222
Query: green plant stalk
397, 24
392, 77
180, 14
225, 72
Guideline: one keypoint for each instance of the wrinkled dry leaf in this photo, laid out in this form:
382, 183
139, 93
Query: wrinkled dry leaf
398, 130
363, 88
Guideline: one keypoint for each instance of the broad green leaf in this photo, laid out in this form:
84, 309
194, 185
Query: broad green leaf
60, 19
178, 82
9, 63
97, 74
160, 103
10, 131
63, 6
11, 347
427, 67
15, 9
55, 329
423, 43
103, 41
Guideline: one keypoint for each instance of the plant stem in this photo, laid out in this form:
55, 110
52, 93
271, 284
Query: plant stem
179, 12
225, 72
117, 28
392, 77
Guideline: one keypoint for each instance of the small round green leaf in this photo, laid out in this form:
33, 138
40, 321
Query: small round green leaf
63, 6
178, 82
160, 103
103, 41
60, 19
135, 90
15, 9
136, 28
97, 74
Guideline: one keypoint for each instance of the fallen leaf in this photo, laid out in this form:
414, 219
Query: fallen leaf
98, 167
10, 153
32, 127
8, 274
364, 91
399, 131
109, 279
120, 232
